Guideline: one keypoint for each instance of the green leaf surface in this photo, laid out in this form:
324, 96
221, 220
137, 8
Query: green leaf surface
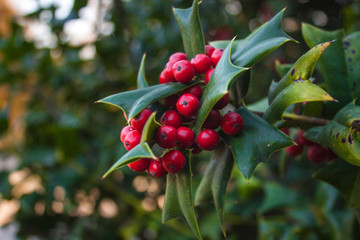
222, 78
332, 63
282, 69
342, 134
345, 177
214, 182
301, 70
191, 30
142, 150
256, 142
351, 45
179, 198
133, 102
141, 78
261, 42
297, 92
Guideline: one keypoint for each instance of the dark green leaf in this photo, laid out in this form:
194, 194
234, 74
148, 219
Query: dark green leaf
256, 142
301, 70
342, 134
184, 204
224, 75
332, 62
282, 69
213, 185
352, 57
191, 30
133, 102
141, 78
345, 177
297, 92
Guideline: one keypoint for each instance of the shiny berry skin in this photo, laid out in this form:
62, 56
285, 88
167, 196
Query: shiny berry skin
132, 139
177, 57
208, 75
294, 150
173, 161
302, 140
316, 153
140, 165
163, 79
170, 101
171, 118
168, 72
156, 169
186, 137
166, 136
216, 55
209, 50
187, 105
213, 120
183, 71
222, 102
208, 139
195, 90
124, 132
232, 123
138, 122
201, 63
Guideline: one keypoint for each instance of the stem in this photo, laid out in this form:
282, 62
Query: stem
299, 118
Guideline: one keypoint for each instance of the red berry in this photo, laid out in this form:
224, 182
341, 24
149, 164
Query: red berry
208, 139
132, 139
170, 101
196, 149
156, 169
177, 57
316, 153
168, 72
166, 136
232, 123
186, 137
173, 161
216, 55
183, 71
163, 79
285, 130
124, 132
187, 104
294, 150
140, 165
302, 140
195, 90
209, 50
222, 102
138, 122
330, 155
213, 120
208, 75
171, 118
201, 63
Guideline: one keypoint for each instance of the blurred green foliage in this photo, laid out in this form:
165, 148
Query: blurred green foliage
56, 143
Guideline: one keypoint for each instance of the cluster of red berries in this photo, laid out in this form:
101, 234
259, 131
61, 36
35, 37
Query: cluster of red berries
177, 122
315, 152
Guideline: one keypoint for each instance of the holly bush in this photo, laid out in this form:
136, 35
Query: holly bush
328, 110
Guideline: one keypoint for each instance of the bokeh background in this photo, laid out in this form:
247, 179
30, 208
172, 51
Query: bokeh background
57, 57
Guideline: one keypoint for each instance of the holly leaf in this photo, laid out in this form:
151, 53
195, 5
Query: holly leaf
299, 91
213, 185
222, 78
141, 78
179, 199
345, 177
142, 150
342, 134
332, 63
351, 45
256, 142
133, 102
282, 69
301, 70
191, 30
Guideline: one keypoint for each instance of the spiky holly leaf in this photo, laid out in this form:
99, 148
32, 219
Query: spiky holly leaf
141, 78
351, 45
